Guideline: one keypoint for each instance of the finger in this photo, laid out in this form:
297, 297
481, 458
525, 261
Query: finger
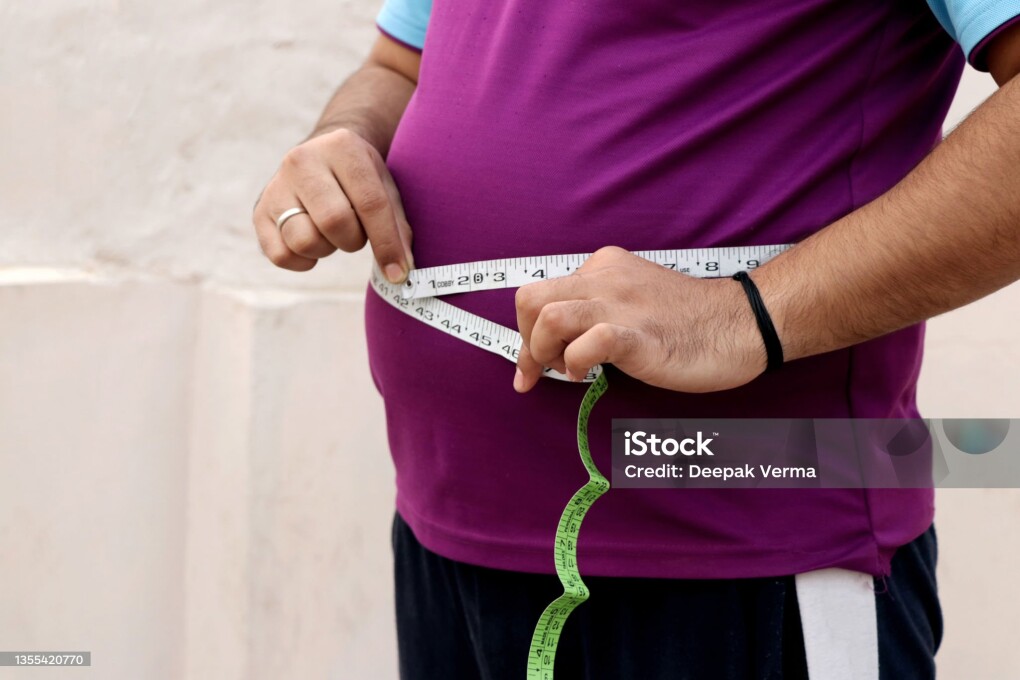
301, 236
559, 324
601, 344
271, 242
331, 213
531, 298
529, 371
361, 182
403, 228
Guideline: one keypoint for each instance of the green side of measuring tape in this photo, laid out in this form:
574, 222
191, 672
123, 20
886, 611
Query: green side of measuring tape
542, 655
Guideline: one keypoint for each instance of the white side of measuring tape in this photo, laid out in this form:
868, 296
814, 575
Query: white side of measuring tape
418, 296
515, 272
471, 328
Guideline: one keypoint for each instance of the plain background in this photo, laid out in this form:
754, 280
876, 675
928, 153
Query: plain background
193, 472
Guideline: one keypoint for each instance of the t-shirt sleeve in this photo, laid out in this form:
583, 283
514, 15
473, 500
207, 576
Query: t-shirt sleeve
973, 23
405, 21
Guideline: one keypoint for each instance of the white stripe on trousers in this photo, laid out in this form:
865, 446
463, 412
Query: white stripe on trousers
840, 624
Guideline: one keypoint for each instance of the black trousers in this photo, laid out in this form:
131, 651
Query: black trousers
456, 620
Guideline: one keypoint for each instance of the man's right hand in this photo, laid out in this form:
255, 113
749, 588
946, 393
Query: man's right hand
350, 197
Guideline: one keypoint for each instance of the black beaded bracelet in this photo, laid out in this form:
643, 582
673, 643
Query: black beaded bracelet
773, 348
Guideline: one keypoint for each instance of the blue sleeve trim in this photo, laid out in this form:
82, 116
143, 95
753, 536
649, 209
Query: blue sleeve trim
969, 22
406, 20
982, 24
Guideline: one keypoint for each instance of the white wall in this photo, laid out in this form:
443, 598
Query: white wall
194, 479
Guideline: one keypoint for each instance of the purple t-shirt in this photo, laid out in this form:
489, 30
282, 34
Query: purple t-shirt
544, 127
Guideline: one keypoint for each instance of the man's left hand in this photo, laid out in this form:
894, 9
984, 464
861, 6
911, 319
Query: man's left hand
657, 325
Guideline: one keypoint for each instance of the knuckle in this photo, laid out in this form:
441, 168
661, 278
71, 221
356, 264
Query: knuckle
576, 360
604, 334
373, 202
344, 137
334, 222
304, 242
341, 228
603, 253
576, 364
358, 171
549, 353
553, 315
607, 256
524, 298
351, 241
297, 157
278, 256
539, 353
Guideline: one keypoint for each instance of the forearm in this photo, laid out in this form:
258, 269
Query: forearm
946, 235
372, 100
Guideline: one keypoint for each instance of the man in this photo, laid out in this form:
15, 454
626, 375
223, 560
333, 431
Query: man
535, 127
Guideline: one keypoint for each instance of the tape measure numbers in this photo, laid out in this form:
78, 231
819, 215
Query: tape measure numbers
515, 272
418, 297
471, 328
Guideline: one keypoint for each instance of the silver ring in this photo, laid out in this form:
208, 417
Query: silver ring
287, 214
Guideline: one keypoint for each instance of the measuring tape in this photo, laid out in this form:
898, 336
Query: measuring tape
418, 297
545, 639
